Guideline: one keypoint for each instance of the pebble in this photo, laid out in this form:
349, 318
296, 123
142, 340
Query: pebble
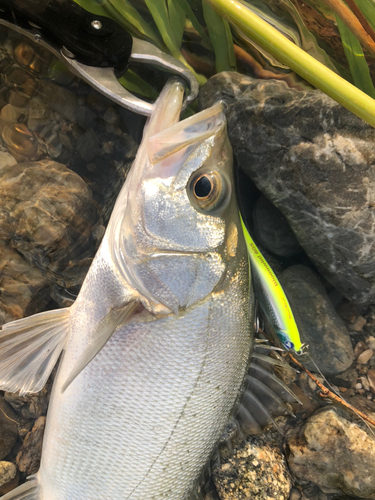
358, 386
358, 324
7, 472
371, 379
365, 383
365, 356
359, 348
371, 342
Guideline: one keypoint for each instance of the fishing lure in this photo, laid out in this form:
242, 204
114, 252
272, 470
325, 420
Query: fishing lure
271, 297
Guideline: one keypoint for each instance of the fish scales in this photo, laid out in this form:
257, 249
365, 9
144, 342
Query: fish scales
157, 344
179, 377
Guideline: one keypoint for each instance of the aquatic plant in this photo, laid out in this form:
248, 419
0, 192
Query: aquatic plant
213, 35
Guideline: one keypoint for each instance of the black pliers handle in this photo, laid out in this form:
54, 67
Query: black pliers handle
95, 48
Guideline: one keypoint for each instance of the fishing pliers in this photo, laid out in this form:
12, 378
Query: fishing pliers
93, 47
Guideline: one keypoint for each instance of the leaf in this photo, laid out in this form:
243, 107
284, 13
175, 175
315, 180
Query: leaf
221, 38
159, 12
93, 6
357, 62
194, 21
368, 10
126, 10
177, 18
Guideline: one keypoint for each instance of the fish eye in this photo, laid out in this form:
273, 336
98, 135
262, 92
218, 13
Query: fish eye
208, 190
203, 187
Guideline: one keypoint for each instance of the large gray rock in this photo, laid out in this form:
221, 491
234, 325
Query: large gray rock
319, 325
333, 453
315, 161
272, 231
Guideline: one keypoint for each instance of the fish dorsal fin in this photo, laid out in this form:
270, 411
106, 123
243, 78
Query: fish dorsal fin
189, 131
30, 348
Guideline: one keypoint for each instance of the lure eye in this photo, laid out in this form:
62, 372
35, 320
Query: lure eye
208, 190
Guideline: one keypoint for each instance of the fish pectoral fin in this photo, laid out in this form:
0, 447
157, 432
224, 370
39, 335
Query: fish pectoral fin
30, 348
105, 329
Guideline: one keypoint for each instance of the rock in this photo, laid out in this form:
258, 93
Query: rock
28, 458
334, 453
347, 379
256, 470
359, 348
30, 405
358, 324
303, 150
371, 379
371, 342
319, 325
6, 160
365, 383
88, 145
272, 230
8, 472
365, 356
47, 215
347, 311
8, 428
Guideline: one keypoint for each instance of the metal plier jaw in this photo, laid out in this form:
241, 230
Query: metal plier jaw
95, 48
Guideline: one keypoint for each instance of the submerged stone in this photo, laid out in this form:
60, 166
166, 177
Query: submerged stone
314, 160
319, 325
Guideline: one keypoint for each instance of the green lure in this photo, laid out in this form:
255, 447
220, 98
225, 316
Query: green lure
271, 296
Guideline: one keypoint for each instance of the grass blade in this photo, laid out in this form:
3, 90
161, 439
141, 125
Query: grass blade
159, 12
297, 59
367, 8
131, 15
221, 38
177, 18
194, 21
357, 62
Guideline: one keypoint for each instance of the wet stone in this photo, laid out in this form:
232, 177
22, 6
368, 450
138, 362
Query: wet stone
8, 472
272, 230
319, 325
346, 379
302, 150
256, 470
30, 405
28, 458
8, 428
365, 356
334, 453
359, 348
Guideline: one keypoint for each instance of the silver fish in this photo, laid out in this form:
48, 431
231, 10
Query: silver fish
156, 346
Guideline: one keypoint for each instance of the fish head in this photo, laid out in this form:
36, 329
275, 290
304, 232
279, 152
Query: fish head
179, 232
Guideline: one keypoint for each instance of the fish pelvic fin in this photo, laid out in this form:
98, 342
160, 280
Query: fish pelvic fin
29, 350
27, 491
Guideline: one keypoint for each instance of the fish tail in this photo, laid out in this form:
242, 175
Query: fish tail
27, 491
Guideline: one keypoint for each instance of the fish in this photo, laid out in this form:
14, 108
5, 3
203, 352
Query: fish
155, 349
